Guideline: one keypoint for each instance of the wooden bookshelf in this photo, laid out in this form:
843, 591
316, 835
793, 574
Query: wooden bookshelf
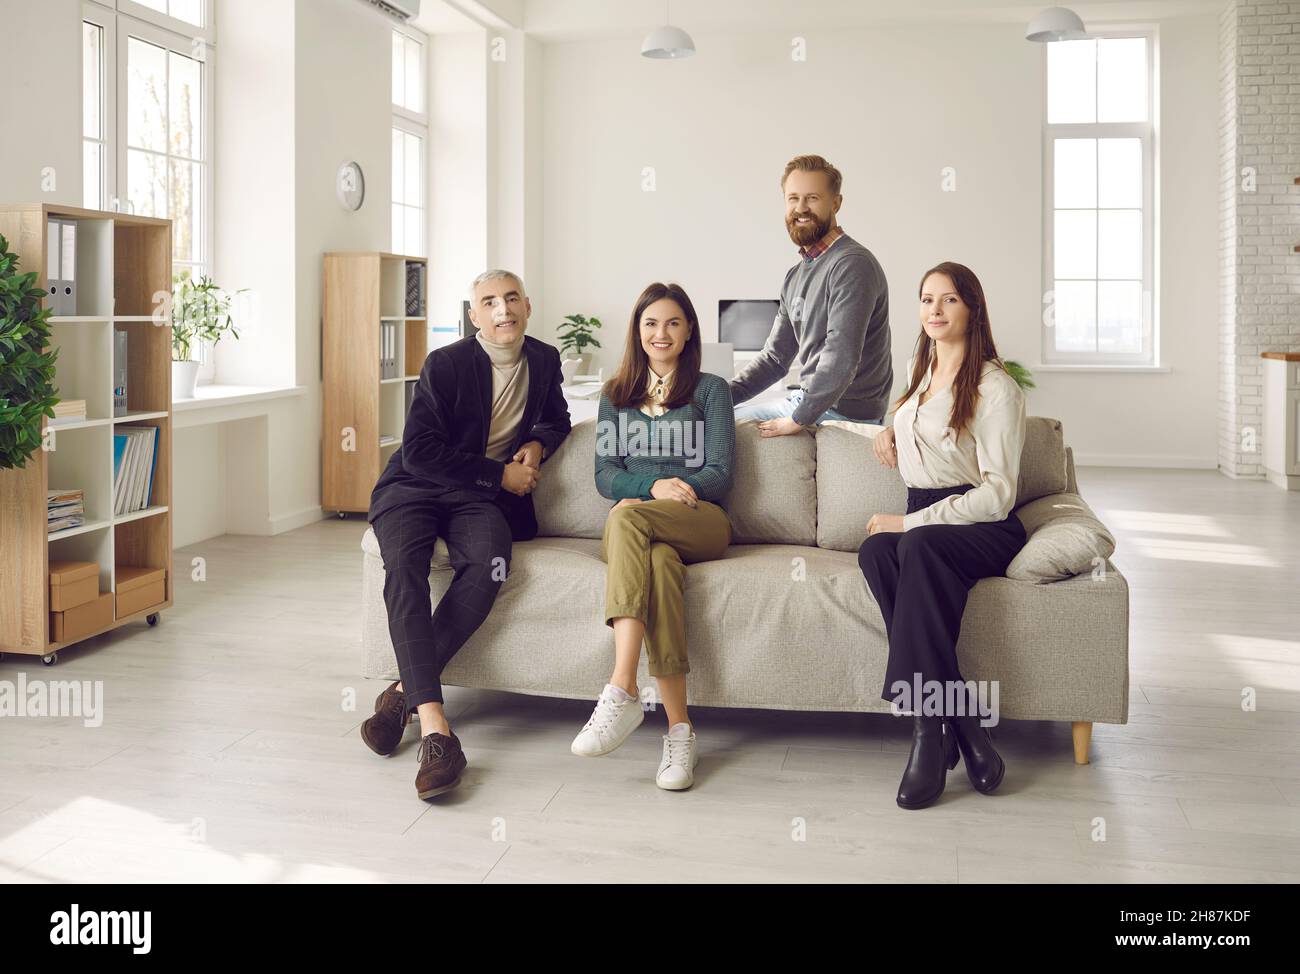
359, 406
123, 262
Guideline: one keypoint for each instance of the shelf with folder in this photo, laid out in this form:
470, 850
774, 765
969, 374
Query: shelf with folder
148, 371
120, 262
141, 466
78, 266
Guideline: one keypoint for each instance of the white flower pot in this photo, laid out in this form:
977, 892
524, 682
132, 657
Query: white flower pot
185, 375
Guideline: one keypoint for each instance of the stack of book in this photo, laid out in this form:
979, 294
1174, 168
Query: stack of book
65, 509
135, 455
68, 411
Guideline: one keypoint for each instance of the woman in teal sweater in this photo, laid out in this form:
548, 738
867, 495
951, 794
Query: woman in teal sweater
665, 440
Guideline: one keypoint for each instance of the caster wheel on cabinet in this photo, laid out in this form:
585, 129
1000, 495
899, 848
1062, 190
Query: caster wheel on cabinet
51, 659
152, 618
343, 515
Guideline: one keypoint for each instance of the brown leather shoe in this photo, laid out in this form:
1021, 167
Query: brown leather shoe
383, 732
441, 764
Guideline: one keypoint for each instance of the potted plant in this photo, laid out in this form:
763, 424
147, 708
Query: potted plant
575, 335
200, 313
1023, 377
26, 363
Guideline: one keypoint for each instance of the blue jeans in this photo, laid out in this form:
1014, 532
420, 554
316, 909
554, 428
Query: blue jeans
775, 409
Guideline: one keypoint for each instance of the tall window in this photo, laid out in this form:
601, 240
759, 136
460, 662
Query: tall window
1099, 273
147, 119
94, 127
409, 136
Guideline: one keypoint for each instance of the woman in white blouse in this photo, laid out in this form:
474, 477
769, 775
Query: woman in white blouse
956, 439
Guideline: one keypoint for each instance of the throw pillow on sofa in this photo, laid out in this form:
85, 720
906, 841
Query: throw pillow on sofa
1064, 538
852, 484
773, 496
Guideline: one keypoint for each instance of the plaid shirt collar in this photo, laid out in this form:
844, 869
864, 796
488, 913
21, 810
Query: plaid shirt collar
815, 250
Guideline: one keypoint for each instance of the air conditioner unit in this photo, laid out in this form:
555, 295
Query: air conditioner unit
402, 10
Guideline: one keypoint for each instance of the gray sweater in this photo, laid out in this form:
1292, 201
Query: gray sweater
834, 314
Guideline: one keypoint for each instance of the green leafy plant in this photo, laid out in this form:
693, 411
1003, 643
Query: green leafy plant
200, 313
27, 389
1023, 377
576, 334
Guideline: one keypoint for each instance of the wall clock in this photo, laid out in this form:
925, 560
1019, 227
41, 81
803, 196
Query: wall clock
350, 185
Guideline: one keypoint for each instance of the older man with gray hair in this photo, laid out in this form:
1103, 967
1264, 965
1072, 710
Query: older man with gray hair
487, 412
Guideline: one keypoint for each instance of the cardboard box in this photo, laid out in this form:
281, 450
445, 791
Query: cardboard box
72, 583
139, 588
75, 623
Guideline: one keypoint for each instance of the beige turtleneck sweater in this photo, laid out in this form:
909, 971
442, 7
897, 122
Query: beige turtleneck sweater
509, 395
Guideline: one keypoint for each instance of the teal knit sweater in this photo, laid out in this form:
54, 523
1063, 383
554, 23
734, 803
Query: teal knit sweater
696, 442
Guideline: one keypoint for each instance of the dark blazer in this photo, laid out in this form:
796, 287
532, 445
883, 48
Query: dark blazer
442, 459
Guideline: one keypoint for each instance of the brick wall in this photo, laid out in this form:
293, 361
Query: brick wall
1259, 142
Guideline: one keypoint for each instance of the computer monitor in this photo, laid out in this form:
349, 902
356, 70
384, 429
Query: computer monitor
745, 325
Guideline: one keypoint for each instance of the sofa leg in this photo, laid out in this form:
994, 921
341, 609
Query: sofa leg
1082, 730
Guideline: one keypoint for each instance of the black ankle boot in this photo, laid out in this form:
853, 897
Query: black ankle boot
984, 766
934, 753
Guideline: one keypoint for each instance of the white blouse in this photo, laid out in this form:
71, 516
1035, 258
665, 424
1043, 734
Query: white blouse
986, 454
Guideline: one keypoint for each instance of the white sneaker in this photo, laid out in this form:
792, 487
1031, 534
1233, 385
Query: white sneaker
677, 768
611, 722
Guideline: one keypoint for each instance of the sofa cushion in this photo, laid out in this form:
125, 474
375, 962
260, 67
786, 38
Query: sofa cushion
1064, 538
566, 500
852, 484
441, 560
784, 627
1042, 461
773, 497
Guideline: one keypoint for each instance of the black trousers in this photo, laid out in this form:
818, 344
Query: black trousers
478, 542
921, 579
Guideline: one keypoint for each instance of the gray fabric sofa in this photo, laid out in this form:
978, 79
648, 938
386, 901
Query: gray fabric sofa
785, 620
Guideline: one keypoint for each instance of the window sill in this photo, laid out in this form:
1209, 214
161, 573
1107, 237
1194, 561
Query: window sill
221, 404
1056, 367
210, 396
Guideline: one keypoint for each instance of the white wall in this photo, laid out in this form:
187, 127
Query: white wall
301, 94
891, 107
458, 217
40, 113
254, 190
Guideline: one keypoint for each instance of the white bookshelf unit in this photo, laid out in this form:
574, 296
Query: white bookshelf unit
123, 264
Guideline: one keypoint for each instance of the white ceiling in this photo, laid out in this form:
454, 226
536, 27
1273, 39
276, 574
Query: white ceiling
574, 19
561, 20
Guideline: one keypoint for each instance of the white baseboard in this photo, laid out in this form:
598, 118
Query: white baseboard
1144, 460
294, 519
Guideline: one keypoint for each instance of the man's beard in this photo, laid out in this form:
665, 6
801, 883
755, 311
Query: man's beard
808, 233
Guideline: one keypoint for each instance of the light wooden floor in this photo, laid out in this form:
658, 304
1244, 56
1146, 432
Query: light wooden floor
226, 752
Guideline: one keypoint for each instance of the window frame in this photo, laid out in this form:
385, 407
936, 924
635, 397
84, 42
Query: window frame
121, 20
417, 124
104, 18
1146, 133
